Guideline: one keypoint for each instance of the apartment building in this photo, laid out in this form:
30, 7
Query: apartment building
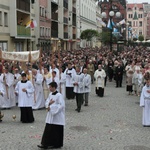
13, 19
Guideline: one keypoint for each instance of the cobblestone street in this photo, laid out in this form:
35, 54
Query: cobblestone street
113, 122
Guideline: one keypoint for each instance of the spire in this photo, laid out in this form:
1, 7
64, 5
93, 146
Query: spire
135, 16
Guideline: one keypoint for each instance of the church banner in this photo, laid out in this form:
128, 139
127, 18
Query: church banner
25, 56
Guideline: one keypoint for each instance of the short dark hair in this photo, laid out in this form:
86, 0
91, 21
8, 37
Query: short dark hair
53, 84
23, 75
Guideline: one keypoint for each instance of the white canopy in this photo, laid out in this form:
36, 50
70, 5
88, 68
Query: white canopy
24, 56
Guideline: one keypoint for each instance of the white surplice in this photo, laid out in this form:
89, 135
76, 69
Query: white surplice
25, 99
9, 97
63, 84
39, 101
2, 94
145, 103
99, 80
56, 114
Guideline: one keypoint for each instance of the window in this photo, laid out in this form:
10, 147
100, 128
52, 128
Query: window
0, 18
140, 32
19, 46
3, 45
140, 23
5, 19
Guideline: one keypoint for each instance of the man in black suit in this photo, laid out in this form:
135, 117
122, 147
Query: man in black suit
119, 75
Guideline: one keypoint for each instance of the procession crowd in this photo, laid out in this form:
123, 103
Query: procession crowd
67, 75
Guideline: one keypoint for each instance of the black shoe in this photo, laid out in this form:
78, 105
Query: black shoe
85, 104
41, 146
0, 120
76, 109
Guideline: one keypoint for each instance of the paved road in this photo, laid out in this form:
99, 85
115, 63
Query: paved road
113, 122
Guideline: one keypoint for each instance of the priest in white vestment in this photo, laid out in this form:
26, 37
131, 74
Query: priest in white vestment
38, 97
24, 90
8, 82
99, 76
145, 103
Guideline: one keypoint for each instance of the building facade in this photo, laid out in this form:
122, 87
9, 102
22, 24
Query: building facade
135, 18
86, 19
146, 22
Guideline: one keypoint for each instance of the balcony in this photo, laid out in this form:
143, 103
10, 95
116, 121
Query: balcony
23, 5
66, 4
65, 35
22, 31
74, 36
74, 10
65, 20
54, 16
54, 33
74, 23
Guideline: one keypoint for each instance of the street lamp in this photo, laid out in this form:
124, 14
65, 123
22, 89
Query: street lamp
128, 31
111, 15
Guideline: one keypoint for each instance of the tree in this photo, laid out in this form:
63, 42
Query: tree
105, 37
141, 38
88, 34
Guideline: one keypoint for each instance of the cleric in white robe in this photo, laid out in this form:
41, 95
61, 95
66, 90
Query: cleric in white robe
145, 103
8, 82
54, 78
99, 76
55, 119
87, 86
2, 92
69, 73
24, 90
62, 84
38, 97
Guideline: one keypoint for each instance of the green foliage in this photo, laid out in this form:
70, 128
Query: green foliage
89, 34
105, 37
141, 38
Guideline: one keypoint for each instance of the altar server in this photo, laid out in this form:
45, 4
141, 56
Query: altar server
69, 73
78, 87
55, 120
24, 90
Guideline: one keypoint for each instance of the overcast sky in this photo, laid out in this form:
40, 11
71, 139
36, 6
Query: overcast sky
138, 1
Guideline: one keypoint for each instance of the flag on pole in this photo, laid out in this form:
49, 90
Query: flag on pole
110, 25
101, 22
122, 22
32, 24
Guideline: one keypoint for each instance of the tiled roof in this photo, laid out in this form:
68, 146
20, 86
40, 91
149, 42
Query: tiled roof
133, 5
